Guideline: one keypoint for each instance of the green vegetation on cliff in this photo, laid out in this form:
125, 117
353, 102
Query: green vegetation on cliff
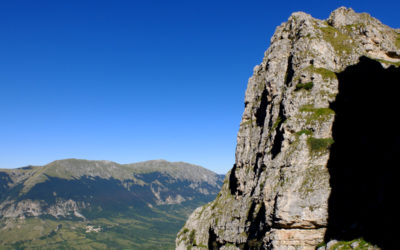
319, 144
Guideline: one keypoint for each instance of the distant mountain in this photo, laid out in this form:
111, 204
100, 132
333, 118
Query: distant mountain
101, 204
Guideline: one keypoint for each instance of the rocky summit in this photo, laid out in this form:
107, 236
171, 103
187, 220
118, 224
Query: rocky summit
317, 144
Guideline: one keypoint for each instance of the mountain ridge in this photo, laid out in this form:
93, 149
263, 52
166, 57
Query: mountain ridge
72, 168
151, 195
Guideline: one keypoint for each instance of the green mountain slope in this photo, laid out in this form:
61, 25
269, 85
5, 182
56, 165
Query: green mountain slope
100, 204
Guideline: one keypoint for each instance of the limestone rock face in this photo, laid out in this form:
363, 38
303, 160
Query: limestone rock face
276, 195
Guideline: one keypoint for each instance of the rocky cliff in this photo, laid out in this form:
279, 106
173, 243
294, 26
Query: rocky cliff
316, 143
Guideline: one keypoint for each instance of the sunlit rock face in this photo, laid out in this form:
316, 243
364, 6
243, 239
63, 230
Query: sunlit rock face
317, 142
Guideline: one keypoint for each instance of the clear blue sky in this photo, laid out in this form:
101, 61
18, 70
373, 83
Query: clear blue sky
130, 81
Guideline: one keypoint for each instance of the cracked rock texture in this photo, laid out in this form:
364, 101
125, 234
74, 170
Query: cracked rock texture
276, 195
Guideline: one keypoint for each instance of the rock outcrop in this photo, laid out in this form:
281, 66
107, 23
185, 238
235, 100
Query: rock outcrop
283, 190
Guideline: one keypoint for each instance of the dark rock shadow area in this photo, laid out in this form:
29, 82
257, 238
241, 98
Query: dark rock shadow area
365, 156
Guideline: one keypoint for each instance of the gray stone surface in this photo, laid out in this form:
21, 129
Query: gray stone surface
331, 244
355, 245
276, 195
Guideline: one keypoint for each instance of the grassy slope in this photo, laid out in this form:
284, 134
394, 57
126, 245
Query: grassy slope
152, 229
146, 228
116, 233
155, 228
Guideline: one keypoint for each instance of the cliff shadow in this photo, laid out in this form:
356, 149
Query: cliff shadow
364, 157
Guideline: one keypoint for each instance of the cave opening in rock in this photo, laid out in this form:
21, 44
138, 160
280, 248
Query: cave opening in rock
364, 157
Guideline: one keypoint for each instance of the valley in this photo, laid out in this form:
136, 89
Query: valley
75, 203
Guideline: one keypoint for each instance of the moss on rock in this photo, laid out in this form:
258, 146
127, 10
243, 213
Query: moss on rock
319, 144
316, 114
342, 43
326, 74
397, 42
305, 86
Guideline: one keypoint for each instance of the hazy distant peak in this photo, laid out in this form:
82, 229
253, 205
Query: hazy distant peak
72, 168
79, 161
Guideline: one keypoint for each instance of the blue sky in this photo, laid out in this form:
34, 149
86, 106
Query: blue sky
130, 81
